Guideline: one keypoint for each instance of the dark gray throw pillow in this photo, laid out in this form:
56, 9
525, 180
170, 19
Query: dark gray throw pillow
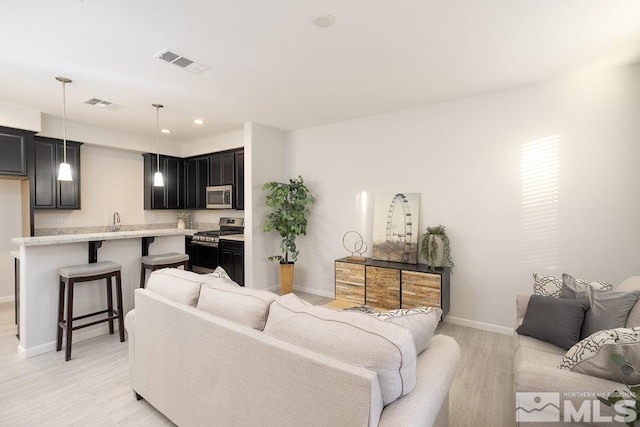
609, 310
554, 320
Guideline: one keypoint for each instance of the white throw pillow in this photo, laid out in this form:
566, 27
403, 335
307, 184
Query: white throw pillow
549, 286
178, 285
351, 337
421, 323
592, 355
224, 298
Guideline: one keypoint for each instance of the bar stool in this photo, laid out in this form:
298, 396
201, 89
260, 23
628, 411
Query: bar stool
156, 262
71, 275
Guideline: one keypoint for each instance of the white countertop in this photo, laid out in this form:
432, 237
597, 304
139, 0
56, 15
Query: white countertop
77, 238
236, 237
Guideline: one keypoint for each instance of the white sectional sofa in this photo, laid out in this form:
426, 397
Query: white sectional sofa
201, 369
537, 365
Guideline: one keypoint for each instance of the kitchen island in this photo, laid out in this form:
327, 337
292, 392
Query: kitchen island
41, 258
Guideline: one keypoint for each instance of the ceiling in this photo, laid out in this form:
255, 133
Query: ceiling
271, 65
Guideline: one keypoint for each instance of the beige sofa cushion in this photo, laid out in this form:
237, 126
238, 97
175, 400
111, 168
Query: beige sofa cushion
631, 284
178, 285
421, 322
352, 337
224, 298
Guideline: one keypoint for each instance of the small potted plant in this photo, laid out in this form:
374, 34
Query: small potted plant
291, 204
183, 219
436, 248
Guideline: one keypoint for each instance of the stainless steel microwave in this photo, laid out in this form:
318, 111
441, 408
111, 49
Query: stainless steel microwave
220, 197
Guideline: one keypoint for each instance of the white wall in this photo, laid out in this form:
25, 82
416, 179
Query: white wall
486, 168
12, 116
212, 144
10, 226
264, 162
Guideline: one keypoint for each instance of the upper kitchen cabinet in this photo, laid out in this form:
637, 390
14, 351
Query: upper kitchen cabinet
196, 181
221, 168
13, 151
171, 196
239, 187
47, 192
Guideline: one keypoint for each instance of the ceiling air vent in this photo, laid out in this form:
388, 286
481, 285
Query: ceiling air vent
96, 102
172, 57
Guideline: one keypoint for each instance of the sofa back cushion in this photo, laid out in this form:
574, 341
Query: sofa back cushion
351, 337
180, 286
608, 310
631, 284
225, 298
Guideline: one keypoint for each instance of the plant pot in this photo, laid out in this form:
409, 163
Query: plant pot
436, 259
181, 224
286, 278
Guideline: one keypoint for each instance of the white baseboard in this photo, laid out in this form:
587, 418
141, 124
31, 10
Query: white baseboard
479, 325
10, 298
314, 291
77, 337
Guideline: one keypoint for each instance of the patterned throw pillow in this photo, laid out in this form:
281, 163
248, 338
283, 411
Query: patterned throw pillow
421, 323
549, 286
219, 272
592, 355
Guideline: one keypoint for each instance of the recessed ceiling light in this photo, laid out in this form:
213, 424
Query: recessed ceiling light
322, 20
198, 121
165, 131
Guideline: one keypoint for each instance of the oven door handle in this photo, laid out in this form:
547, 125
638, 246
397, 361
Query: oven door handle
207, 244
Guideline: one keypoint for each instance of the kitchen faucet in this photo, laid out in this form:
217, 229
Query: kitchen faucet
116, 221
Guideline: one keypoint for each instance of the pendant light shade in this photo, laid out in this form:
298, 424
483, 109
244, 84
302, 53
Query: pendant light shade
158, 181
64, 171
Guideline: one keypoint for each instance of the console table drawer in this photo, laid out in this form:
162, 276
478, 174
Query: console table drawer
421, 289
383, 287
350, 282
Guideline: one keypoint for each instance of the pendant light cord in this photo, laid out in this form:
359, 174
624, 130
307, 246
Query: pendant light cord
157, 137
64, 120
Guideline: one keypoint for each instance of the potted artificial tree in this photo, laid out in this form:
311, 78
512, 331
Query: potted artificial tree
436, 248
291, 203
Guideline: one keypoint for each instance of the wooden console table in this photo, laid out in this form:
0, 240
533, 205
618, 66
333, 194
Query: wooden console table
390, 285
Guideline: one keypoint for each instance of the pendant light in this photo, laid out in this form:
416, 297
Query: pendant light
157, 178
64, 172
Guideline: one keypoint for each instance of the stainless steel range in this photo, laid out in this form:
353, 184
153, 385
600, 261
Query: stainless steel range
204, 257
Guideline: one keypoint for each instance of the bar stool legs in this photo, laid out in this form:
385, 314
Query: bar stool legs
69, 276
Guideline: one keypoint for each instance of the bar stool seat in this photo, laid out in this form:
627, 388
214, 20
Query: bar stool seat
156, 262
69, 276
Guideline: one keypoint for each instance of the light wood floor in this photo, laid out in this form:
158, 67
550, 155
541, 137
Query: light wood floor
92, 389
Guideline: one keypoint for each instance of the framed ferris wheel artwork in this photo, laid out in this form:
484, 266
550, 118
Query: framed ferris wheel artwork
395, 227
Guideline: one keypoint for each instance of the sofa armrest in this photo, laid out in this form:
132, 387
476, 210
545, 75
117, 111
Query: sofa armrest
436, 369
129, 325
522, 301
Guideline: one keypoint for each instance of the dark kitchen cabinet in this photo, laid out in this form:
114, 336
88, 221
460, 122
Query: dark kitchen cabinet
239, 182
47, 192
196, 181
13, 151
188, 249
231, 258
221, 168
171, 195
